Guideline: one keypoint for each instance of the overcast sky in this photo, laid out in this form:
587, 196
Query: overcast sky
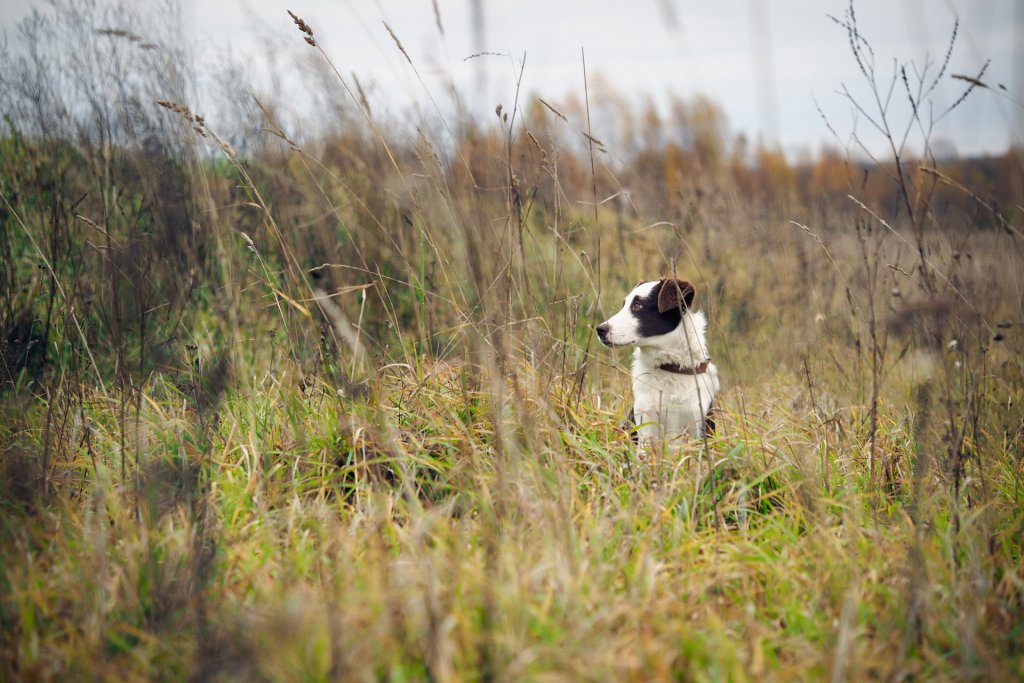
765, 62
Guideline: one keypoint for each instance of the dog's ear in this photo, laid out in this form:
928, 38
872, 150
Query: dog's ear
673, 293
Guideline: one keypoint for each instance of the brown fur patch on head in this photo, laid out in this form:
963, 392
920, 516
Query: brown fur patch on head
675, 292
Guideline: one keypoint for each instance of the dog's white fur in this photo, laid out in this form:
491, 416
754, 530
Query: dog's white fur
666, 405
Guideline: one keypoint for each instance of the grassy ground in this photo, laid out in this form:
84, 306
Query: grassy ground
337, 413
459, 520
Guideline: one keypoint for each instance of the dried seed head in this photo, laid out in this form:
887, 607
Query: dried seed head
536, 143
398, 43
195, 120
248, 241
303, 26
310, 41
88, 221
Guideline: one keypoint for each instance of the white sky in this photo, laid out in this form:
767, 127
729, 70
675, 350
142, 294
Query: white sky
763, 62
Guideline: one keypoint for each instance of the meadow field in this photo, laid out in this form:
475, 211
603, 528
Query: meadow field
284, 405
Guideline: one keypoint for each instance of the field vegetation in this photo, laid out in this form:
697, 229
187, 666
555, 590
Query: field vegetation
286, 405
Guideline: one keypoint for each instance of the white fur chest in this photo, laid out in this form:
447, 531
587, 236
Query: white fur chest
667, 405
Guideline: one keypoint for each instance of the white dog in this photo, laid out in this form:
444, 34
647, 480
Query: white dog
674, 380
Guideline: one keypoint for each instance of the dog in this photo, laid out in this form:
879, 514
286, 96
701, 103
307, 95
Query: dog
674, 380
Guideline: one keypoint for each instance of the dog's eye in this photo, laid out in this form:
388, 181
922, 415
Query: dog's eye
636, 307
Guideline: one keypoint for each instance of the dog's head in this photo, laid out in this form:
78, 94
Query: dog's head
651, 310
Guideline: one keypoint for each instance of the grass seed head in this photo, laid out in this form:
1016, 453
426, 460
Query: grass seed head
303, 26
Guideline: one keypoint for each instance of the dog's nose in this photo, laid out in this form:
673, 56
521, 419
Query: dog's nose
602, 330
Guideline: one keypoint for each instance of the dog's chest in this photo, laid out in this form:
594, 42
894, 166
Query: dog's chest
668, 404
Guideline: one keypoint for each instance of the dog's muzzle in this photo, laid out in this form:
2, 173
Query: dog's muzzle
602, 334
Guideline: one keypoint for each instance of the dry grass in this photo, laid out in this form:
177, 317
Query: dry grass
332, 411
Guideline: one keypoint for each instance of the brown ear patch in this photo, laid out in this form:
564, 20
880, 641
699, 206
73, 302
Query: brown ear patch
675, 293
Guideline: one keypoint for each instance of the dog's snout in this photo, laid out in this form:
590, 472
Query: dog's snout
602, 330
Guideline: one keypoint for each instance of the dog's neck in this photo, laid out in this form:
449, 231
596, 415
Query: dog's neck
677, 369
684, 347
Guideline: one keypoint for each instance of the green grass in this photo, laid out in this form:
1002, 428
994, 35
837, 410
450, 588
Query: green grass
302, 536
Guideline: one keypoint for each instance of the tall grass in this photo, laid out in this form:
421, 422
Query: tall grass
328, 407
